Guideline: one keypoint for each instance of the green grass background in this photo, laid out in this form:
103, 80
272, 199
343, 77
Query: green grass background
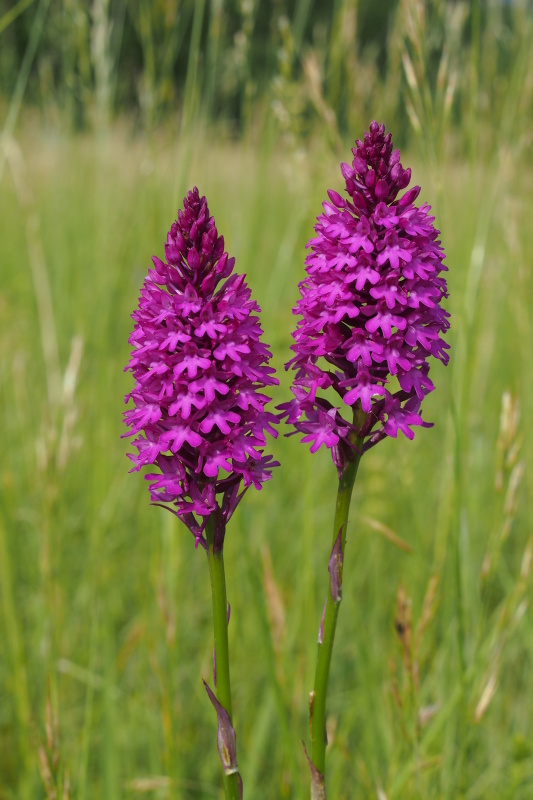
105, 628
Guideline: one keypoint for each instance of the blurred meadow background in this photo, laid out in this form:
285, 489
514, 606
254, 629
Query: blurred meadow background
109, 111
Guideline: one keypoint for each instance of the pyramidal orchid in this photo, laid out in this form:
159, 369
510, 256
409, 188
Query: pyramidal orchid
370, 320
370, 313
198, 413
199, 367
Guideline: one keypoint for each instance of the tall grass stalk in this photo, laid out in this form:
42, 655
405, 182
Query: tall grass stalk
11, 15
15, 650
22, 80
191, 98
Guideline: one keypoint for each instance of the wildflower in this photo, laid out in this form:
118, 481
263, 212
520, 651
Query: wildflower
370, 313
199, 368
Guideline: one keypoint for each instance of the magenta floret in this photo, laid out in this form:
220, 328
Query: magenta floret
370, 314
199, 367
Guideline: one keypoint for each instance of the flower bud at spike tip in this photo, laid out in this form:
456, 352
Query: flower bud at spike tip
199, 367
227, 747
370, 314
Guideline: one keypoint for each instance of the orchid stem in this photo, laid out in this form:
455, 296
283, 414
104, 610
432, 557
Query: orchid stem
325, 648
220, 628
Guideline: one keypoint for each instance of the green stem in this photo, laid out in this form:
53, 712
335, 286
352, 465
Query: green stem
325, 649
215, 558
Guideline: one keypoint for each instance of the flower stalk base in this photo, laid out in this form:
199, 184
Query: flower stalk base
222, 675
325, 647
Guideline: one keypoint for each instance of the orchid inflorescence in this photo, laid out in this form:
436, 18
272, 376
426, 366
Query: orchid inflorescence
369, 308
200, 367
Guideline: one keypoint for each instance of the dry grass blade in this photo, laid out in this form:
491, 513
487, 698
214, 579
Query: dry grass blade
404, 628
54, 775
67, 441
486, 696
387, 532
508, 475
274, 602
429, 607
314, 84
156, 783
46, 774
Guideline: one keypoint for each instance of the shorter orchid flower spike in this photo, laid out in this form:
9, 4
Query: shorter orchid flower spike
200, 368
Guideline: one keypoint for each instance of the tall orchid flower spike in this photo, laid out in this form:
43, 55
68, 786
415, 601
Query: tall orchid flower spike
198, 412
370, 318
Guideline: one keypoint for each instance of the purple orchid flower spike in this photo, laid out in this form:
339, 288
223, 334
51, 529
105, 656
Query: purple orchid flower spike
198, 413
369, 313
369, 320
200, 367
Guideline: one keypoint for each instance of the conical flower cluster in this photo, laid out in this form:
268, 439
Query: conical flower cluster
370, 313
199, 369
